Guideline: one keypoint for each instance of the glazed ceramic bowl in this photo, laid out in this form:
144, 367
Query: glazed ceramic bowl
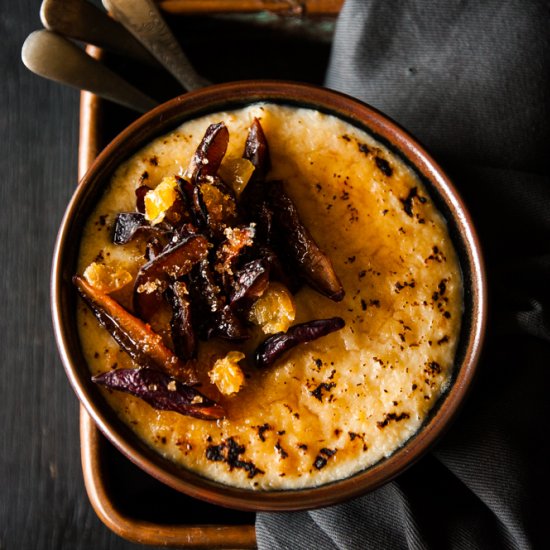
232, 96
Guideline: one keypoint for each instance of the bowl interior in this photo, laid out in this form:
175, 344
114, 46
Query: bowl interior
233, 96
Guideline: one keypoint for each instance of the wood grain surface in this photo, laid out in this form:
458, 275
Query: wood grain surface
299, 7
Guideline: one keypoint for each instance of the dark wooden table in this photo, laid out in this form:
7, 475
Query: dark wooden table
43, 503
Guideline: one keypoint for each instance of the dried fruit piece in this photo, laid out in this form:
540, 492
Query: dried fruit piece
312, 262
152, 279
183, 334
204, 297
179, 259
254, 199
127, 225
209, 153
161, 392
275, 310
217, 317
274, 346
277, 271
160, 199
153, 248
228, 326
226, 373
249, 283
106, 278
193, 197
131, 224
185, 231
256, 150
134, 336
236, 172
221, 209
237, 238
257, 210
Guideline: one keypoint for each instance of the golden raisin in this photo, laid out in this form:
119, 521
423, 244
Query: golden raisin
236, 172
160, 199
275, 310
226, 373
106, 278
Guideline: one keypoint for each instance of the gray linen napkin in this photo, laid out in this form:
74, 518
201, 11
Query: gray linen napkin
471, 80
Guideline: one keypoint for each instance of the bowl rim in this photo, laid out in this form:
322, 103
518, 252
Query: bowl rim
217, 98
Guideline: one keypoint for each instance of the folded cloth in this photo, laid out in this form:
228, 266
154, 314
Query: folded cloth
471, 80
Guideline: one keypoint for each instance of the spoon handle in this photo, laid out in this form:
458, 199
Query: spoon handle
52, 56
81, 20
143, 19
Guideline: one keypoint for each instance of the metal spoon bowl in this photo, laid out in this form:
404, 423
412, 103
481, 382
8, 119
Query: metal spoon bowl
57, 58
83, 21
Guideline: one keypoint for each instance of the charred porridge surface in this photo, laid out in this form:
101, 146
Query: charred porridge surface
334, 406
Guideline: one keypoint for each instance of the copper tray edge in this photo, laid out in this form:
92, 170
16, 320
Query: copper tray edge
143, 532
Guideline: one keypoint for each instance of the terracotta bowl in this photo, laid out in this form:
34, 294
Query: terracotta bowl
230, 96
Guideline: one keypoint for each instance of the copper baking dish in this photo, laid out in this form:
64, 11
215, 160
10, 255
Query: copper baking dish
242, 535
